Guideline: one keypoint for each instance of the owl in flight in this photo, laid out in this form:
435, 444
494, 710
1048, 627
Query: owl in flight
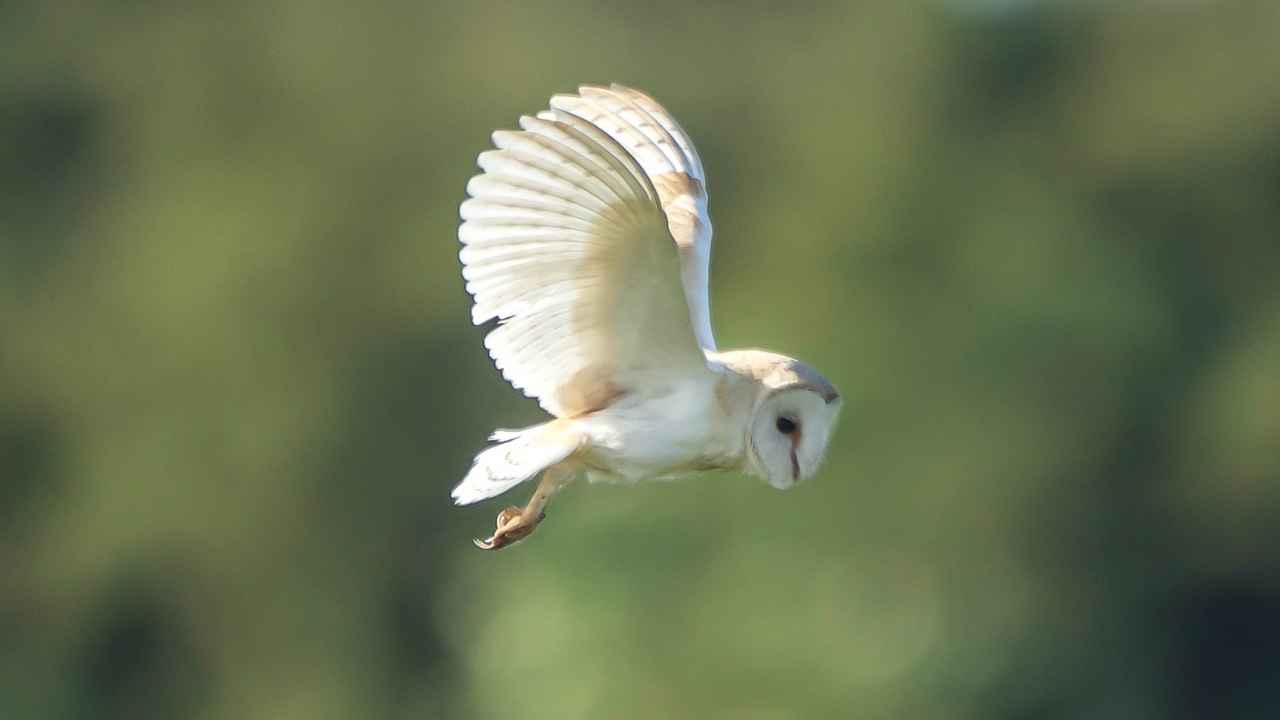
587, 238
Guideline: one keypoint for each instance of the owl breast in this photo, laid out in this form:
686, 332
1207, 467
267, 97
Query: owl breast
662, 432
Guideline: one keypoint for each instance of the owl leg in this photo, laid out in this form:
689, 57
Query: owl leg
515, 524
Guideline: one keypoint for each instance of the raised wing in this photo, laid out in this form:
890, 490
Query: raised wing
566, 244
667, 156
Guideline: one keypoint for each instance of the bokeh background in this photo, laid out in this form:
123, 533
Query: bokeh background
1036, 245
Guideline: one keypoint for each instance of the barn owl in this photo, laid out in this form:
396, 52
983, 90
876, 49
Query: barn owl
586, 237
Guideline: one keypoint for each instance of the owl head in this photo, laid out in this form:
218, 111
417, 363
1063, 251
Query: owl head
791, 421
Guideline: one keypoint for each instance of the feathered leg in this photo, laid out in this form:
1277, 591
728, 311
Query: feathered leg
515, 524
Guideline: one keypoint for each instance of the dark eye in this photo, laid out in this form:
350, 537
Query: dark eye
786, 426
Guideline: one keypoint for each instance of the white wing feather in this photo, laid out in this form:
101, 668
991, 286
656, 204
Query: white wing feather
668, 158
566, 243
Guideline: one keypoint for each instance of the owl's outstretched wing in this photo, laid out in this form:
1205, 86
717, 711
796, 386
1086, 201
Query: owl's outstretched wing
566, 243
667, 156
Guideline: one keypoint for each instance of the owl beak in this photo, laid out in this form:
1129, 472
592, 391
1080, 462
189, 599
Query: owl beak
795, 458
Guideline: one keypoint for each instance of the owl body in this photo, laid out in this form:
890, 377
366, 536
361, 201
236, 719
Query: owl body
587, 238
667, 431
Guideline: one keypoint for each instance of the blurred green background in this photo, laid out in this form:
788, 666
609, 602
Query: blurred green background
1036, 245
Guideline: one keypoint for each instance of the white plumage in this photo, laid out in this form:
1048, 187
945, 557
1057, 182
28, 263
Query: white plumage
521, 455
587, 237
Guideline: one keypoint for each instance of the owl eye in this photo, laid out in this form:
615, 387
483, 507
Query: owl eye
786, 425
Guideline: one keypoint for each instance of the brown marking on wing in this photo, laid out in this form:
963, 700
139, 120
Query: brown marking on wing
678, 193
671, 185
588, 391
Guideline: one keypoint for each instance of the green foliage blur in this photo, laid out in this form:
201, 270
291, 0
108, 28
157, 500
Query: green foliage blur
1035, 244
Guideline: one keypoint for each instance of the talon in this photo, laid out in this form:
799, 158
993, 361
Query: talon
507, 515
511, 528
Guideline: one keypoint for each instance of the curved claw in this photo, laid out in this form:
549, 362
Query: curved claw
511, 529
507, 516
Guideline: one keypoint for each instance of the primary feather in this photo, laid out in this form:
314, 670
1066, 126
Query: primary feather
667, 157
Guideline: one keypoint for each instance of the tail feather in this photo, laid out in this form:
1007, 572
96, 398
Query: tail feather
520, 455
